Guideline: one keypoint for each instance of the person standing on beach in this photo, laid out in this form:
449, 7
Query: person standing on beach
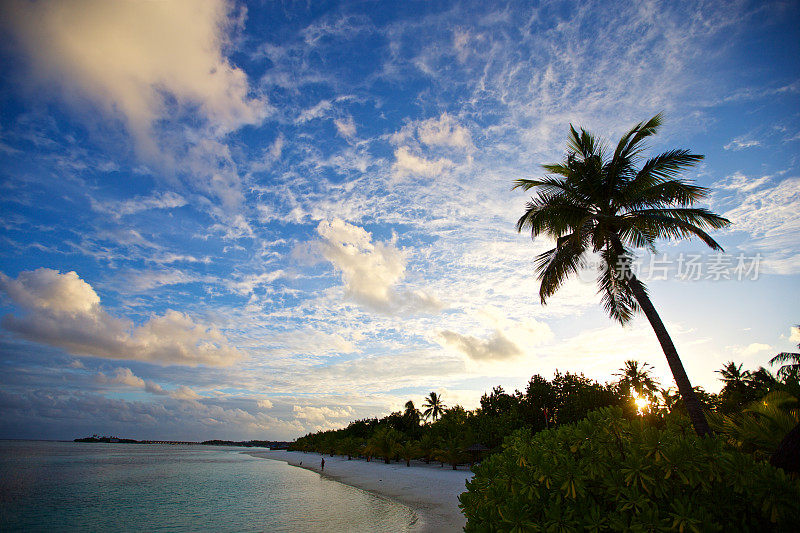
322, 467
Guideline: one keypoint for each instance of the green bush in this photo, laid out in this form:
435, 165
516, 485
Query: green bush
607, 473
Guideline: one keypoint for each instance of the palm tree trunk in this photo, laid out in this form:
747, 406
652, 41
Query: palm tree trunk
693, 405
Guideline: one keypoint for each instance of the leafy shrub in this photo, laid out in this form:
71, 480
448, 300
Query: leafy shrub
607, 473
761, 426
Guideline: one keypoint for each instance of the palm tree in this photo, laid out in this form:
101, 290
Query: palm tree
791, 366
434, 407
733, 375
427, 447
603, 203
636, 377
408, 451
451, 451
385, 443
411, 413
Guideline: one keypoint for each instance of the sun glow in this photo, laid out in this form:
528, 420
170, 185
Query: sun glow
641, 402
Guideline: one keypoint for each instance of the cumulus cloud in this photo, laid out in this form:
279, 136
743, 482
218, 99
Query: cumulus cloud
755, 348
794, 335
264, 404
496, 347
139, 59
122, 376
126, 377
63, 310
508, 338
370, 270
184, 393
320, 415
408, 164
444, 131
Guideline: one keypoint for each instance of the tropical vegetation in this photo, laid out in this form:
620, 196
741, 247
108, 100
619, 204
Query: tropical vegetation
610, 473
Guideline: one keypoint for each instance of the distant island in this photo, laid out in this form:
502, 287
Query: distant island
273, 445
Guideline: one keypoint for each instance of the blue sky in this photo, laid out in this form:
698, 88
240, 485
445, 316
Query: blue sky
228, 220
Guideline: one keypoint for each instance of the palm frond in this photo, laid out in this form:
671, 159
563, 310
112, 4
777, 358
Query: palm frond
677, 223
661, 195
554, 266
619, 168
668, 164
553, 215
548, 185
583, 143
640, 132
785, 357
617, 296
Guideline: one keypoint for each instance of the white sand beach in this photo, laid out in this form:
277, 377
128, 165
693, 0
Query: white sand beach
431, 491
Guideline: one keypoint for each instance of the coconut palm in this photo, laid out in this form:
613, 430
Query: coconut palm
434, 407
427, 447
411, 413
790, 364
385, 443
451, 451
604, 203
733, 375
636, 377
408, 451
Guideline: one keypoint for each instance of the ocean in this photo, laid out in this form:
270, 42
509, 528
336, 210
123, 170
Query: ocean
68, 486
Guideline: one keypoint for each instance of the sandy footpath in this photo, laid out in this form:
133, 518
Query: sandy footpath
431, 491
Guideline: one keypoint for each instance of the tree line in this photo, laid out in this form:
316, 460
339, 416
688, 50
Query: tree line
453, 435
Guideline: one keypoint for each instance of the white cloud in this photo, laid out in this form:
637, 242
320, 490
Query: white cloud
321, 415
370, 270
755, 348
135, 58
184, 393
317, 111
407, 164
740, 143
126, 377
264, 404
64, 311
508, 338
770, 216
740, 182
245, 285
346, 127
122, 376
794, 335
307, 341
163, 200
138, 281
496, 347
444, 131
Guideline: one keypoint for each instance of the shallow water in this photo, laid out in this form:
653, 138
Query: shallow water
142, 487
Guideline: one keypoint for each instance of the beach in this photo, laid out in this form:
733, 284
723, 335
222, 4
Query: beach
430, 490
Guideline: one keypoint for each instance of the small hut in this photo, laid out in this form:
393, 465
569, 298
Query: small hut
476, 452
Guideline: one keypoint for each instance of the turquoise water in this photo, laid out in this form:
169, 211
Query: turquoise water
68, 486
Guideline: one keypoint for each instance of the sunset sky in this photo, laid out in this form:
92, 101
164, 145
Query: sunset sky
236, 221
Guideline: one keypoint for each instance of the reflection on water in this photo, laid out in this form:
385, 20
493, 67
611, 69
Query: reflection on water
136, 487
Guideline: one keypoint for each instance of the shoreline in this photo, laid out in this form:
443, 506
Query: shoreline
430, 491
